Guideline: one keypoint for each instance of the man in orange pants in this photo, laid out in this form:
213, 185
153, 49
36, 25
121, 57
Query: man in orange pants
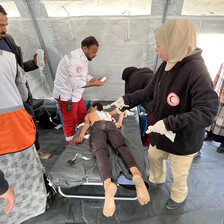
71, 79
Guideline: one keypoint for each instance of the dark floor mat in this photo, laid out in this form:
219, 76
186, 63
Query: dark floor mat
204, 204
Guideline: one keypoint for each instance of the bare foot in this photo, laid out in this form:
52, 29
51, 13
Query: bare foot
109, 203
141, 190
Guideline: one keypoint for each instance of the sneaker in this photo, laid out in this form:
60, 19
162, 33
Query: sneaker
198, 154
170, 204
50, 198
220, 148
43, 155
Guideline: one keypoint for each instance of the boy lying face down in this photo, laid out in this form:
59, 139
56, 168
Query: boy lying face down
103, 129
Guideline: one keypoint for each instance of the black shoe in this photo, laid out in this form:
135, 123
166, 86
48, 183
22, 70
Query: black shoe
198, 154
170, 204
220, 148
208, 138
50, 198
49, 202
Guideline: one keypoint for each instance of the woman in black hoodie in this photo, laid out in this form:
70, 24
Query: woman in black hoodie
184, 104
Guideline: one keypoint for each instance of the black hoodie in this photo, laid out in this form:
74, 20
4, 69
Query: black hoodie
185, 100
136, 79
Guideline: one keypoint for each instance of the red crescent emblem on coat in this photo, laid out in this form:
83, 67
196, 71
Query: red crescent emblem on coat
78, 69
173, 100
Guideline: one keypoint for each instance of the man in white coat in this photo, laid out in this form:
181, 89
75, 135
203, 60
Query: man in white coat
72, 77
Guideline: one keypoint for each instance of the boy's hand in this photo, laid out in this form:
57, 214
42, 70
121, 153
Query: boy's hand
78, 140
118, 125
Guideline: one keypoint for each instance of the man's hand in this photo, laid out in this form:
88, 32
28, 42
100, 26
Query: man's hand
98, 83
94, 82
10, 197
159, 127
35, 59
78, 140
104, 79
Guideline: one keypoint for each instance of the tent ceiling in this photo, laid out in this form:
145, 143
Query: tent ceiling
203, 7
11, 8
125, 40
97, 7
64, 8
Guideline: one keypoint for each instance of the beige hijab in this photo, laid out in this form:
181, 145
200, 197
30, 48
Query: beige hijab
177, 38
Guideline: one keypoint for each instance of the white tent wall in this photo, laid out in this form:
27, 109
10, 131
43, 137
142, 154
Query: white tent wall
160, 10
115, 52
26, 39
25, 34
124, 41
206, 23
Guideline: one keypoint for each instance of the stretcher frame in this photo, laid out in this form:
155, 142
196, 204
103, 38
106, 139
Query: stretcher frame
120, 182
91, 196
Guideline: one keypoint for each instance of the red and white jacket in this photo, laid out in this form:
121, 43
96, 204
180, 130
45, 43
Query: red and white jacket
71, 76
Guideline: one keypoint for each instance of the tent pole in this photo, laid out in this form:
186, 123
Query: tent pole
163, 20
40, 38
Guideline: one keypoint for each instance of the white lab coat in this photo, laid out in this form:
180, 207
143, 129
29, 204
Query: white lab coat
71, 76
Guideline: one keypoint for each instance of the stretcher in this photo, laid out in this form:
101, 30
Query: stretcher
76, 168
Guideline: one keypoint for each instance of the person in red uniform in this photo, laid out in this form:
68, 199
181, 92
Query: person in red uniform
72, 77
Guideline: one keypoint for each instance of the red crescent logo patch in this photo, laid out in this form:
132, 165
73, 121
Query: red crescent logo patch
78, 69
173, 100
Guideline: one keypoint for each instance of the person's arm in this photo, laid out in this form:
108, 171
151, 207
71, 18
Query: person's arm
83, 131
29, 66
32, 64
93, 82
121, 116
21, 84
113, 112
131, 100
120, 120
78, 78
7, 193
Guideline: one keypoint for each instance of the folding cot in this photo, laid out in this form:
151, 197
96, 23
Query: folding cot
68, 178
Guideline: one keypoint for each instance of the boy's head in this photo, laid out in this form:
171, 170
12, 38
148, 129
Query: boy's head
96, 106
